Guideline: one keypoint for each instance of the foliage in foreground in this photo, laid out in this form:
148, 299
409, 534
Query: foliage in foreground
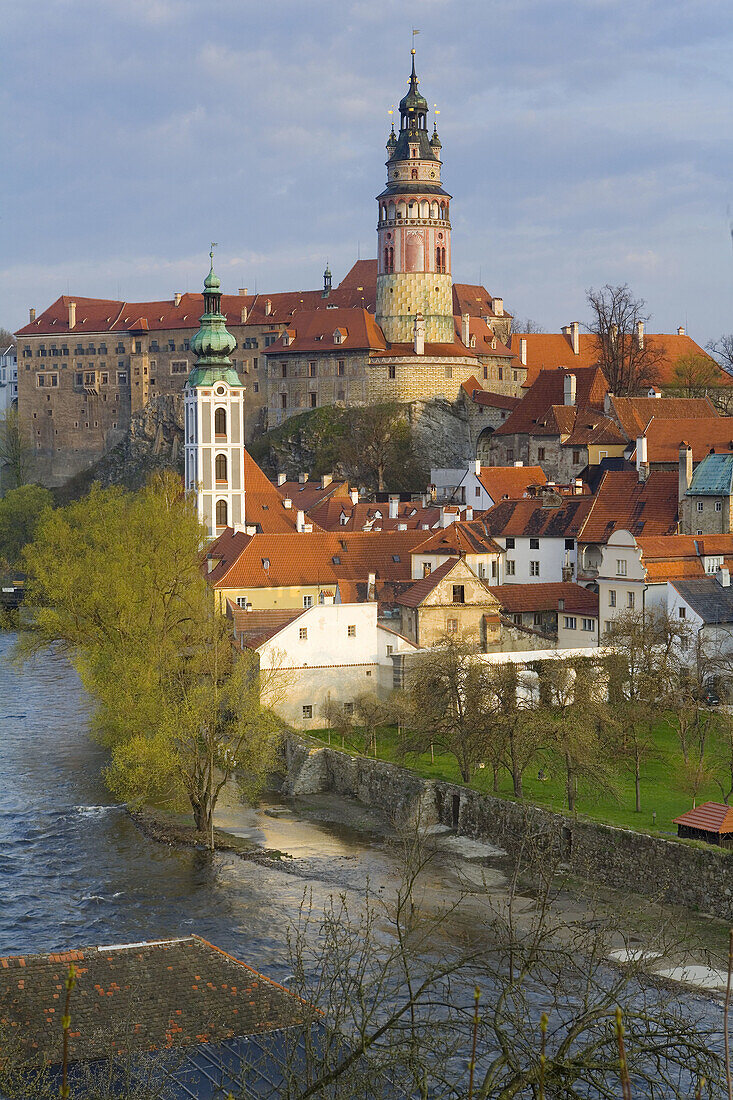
115, 580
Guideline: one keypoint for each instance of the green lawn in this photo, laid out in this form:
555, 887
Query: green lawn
662, 785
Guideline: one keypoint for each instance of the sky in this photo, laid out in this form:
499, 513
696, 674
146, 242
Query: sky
585, 142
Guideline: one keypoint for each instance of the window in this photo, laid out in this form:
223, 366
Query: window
308, 710
684, 643
283, 401
348, 709
511, 568
570, 622
576, 458
255, 363
608, 626
391, 372
221, 513
221, 467
683, 612
630, 600
241, 601
179, 366
312, 369
449, 372
534, 544
620, 567
569, 544
390, 650
477, 491
510, 454
351, 631
105, 379
612, 597
537, 618
517, 618
718, 505
459, 594
587, 624
341, 368
534, 569
307, 601
121, 378
451, 626
283, 370
699, 506
540, 454
138, 347
510, 544
303, 633
220, 422
314, 400
426, 569
255, 387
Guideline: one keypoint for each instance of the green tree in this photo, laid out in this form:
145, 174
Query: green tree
694, 374
116, 581
21, 510
16, 452
378, 450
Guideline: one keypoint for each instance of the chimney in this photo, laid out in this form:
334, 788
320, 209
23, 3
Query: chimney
722, 576
575, 336
177, 298
640, 335
302, 478
282, 478
642, 458
469, 514
268, 307
477, 467
569, 389
578, 486
607, 405
497, 304
244, 315
465, 329
354, 494
419, 341
32, 313
326, 480
72, 315
685, 475
300, 521
523, 351
394, 504
243, 292
372, 586
518, 463
681, 330
287, 503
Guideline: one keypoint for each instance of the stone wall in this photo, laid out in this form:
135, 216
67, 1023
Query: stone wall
676, 872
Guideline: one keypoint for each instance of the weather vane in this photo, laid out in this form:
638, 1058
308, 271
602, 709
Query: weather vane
211, 254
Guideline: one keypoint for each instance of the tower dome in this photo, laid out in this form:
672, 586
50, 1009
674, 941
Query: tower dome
213, 343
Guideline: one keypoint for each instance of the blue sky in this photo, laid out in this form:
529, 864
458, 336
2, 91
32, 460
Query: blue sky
584, 142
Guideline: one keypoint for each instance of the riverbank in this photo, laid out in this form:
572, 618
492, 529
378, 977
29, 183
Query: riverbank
176, 831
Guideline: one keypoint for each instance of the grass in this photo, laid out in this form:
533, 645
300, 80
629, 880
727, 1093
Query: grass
662, 785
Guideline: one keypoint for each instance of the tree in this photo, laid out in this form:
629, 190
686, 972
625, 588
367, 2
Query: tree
516, 737
378, 450
116, 581
521, 325
21, 510
16, 452
694, 374
722, 350
6, 339
630, 364
372, 712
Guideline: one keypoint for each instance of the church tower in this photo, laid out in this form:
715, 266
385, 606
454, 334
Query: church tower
214, 411
413, 232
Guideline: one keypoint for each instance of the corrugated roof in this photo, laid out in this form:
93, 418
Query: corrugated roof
713, 476
711, 817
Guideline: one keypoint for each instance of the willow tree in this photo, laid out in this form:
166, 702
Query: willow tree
115, 581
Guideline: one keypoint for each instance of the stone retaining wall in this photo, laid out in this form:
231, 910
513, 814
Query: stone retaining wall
676, 872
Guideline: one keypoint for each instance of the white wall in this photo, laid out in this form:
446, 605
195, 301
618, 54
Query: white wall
551, 555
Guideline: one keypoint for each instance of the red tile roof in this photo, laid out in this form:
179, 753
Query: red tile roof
305, 495
663, 437
363, 275
510, 481
554, 350
456, 350
634, 413
338, 514
462, 537
548, 390
515, 598
475, 300
485, 341
623, 502
263, 504
253, 628
481, 396
711, 817
312, 331
529, 518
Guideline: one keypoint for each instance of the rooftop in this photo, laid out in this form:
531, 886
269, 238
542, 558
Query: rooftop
713, 476
641, 507
634, 413
547, 390
510, 481
515, 598
529, 518
663, 437
711, 600
711, 817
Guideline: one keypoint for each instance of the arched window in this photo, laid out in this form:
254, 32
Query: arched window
413, 174
220, 422
221, 513
434, 210
388, 259
390, 212
221, 467
424, 209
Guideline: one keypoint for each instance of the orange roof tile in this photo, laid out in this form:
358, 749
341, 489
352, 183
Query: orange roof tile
548, 390
711, 817
623, 502
461, 537
515, 598
338, 514
313, 331
510, 481
663, 437
634, 413
529, 518
417, 592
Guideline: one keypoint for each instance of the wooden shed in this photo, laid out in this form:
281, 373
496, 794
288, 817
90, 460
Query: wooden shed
711, 822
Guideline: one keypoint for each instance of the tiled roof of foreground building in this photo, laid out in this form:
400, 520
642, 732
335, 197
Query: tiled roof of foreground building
524, 518
664, 437
634, 413
137, 998
548, 390
641, 507
546, 597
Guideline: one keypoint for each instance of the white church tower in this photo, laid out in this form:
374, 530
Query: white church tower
214, 409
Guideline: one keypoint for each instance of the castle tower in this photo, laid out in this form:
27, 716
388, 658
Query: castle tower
214, 411
413, 232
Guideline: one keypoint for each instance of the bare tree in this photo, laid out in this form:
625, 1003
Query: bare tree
722, 350
629, 363
694, 375
16, 451
522, 325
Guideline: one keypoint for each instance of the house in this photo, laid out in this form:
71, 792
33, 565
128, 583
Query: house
485, 411
467, 539
482, 487
450, 601
331, 652
632, 414
705, 604
566, 611
706, 498
712, 822
539, 535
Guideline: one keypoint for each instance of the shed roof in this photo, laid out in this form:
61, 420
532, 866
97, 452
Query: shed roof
711, 817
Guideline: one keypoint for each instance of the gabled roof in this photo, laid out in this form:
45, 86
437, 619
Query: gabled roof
683, 556
515, 598
634, 413
308, 494
314, 332
527, 518
338, 514
460, 538
548, 390
484, 340
362, 276
707, 597
711, 817
254, 628
263, 504
623, 502
474, 299
155, 996
713, 476
663, 437
591, 429
480, 396
510, 481
418, 592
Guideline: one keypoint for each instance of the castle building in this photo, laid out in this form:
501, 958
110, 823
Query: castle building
214, 420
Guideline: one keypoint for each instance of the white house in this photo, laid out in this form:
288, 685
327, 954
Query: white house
332, 651
480, 487
8, 378
539, 536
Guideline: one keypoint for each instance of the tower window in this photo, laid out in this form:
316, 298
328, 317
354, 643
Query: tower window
414, 173
283, 401
221, 513
391, 372
221, 467
220, 422
284, 370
